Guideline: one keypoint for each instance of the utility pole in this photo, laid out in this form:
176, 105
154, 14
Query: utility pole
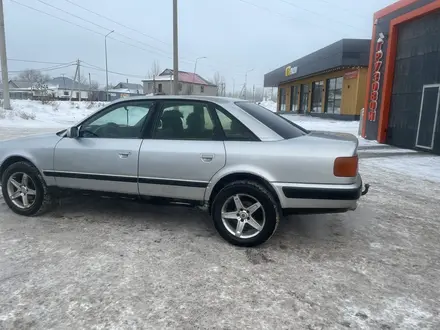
90, 88
175, 50
253, 93
245, 82
4, 61
74, 82
106, 65
79, 80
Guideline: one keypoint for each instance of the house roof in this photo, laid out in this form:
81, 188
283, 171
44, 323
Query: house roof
341, 54
20, 84
65, 83
184, 77
130, 86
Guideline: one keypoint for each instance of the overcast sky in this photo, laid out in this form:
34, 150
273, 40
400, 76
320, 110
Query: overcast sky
234, 35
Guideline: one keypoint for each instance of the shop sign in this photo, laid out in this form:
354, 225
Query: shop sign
290, 71
375, 85
351, 75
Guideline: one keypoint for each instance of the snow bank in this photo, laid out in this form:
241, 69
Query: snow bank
419, 166
271, 105
27, 113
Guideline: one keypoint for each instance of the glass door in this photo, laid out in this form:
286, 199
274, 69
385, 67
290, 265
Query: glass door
304, 99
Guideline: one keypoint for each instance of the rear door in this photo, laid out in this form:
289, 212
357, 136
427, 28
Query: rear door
183, 151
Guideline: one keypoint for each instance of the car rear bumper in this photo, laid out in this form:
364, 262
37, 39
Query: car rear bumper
319, 198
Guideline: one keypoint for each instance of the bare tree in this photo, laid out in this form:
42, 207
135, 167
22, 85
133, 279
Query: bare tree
33, 76
219, 81
154, 70
94, 90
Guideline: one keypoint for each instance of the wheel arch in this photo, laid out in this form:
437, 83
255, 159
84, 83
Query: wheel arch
239, 176
12, 160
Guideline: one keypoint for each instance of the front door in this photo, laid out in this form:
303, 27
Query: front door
105, 155
304, 99
428, 117
183, 152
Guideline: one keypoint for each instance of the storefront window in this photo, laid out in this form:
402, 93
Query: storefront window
317, 96
282, 99
334, 95
304, 99
294, 98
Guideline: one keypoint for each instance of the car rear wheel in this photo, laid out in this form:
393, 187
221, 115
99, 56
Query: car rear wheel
245, 213
24, 190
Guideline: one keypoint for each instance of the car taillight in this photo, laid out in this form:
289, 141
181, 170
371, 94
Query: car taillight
346, 166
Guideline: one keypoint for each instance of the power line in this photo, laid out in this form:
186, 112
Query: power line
98, 25
327, 29
120, 24
41, 62
85, 28
315, 13
94, 67
44, 69
61, 19
351, 11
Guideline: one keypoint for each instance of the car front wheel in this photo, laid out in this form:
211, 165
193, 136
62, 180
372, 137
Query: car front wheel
24, 190
245, 213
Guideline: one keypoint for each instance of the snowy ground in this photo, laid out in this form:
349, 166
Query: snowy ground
34, 114
106, 264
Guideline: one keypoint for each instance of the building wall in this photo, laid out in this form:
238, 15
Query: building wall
187, 88
353, 92
383, 19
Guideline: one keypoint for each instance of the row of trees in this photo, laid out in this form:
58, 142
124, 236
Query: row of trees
36, 77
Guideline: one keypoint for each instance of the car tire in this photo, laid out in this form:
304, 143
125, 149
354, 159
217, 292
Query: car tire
39, 200
257, 226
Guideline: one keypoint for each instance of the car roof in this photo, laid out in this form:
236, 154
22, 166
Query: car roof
215, 99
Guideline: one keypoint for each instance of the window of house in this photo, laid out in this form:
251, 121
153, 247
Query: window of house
119, 122
282, 99
294, 98
334, 95
159, 88
66, 93
234, 130
202, 89
317, 89
185, 121
304, 99
180, 87
77, 95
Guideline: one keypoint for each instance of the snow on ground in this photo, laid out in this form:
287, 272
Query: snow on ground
418, 166
269, 104
35, 114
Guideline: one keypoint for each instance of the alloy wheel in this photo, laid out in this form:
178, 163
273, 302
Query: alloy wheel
21, 190
243, 216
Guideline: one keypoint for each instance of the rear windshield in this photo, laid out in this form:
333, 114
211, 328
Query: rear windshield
280, 125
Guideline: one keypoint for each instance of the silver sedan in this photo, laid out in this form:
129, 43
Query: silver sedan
245, 164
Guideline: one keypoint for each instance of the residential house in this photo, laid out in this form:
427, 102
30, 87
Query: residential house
189, 84
61, 88
127, 89
19, 90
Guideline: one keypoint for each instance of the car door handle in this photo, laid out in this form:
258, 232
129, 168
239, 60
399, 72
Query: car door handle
124, 154
206, 158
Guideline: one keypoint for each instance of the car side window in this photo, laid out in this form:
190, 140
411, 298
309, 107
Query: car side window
185, 121
234, 130
122, 122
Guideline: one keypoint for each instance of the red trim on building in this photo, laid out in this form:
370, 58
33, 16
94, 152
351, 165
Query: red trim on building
370, 71
390, 64
393, 7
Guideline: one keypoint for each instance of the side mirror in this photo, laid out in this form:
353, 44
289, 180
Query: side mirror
72, 132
